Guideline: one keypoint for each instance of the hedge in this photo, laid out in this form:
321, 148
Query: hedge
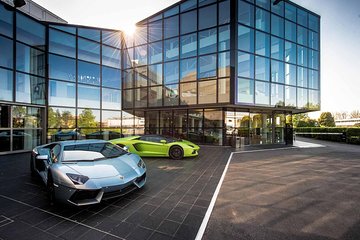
336, 134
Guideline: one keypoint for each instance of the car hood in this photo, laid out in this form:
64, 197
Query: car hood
123, 165
190, 144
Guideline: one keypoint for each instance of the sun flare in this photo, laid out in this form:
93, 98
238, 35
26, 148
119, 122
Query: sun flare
129, 29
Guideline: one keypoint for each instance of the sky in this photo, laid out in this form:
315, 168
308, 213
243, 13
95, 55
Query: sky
340, 37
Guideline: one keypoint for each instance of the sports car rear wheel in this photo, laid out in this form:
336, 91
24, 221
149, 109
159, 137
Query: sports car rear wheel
176, 152
50, 189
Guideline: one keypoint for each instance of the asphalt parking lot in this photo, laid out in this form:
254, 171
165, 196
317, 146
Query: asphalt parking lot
171, 206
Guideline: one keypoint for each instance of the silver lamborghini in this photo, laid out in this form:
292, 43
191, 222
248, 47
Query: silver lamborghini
85, 172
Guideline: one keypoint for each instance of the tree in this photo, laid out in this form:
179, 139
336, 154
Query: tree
326, 120
87, 120
355, 114
299, 120
67, 119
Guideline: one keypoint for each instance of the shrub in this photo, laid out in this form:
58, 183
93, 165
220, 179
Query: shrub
349, 135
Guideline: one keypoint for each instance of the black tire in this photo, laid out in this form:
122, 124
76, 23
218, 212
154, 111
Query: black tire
50, 189
176, 152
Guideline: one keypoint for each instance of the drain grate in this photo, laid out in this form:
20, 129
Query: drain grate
5, 221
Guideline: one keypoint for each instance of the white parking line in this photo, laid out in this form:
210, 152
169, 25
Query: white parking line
59, 216
5, 221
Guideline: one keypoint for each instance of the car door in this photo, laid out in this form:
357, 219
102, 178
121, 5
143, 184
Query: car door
151, 146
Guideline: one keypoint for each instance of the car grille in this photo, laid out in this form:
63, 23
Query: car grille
141, 178
81, 195
118, 193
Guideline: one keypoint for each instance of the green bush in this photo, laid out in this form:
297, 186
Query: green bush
349, 135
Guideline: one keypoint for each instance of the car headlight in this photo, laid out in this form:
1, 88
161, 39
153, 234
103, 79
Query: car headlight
141, 164
77, 179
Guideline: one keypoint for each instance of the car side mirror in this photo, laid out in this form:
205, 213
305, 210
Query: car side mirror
163, 141
40, 162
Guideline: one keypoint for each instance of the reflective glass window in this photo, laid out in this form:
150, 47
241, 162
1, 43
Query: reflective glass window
277, 95
290, 31
262, 21
207, 66
263, 3
26, 139
140, 57
111, 57
314, 79
155, 31
302, 77
188, 70
290, 96
277, 48
188, 22
140, 97
208, 41
278, 8
128, 58
245, 39
62, 43
188, 45
224, 64
314, 23
62, 68
128, 79
188, 93
262, 44
30, 60
302, 36
155, 74
171, 49
171, 72
30, 31
262, 93
224, 38
111, 38
207, 92
128, 99
141, 77
172, 11
205, 2
6, 85
302, 98
262, 68
92, 34
88, 73
62, 93
245, 65
111, 77
88, 118
245, 91
155, 18
224, 12
187, 5
171, 27
314, 59
302, 17
277, 26
155, 52
314, 40
140, 35
6, 21
290, 74
245, 13
111, 119
6, 52
88, 97
207, 17
155, 96
277, 71
111, 99
88, 51
30, 89
290, 12
171, 97
224, 90
67, 29
26, 117
290, 52
314, 100
302, 56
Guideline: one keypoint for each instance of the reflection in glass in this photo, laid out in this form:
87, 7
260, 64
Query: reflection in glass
224, 64
224, 38
188, 22
62, 93
302, 98
277, 95
4, 134
290, 31
30, 31
290, 74
207, 16
26, 139
140, 97
188, 93
302, 53
30, 89
277, 71
262, 44
140, 57
89, 33
155, 52
278, 9
6, 85
128, 101
61, 117
246, 13
171, 97
140, 36
171, 27
188, 45
245, 39
111, 119
6, 21
111, 57
208, 41
290, 52
62, 43
224, 12
245, 91
314, 59
155, 74
155, 31
111, 77
302, 17
6, 51
207, 66
290, 96
290, 12
314, 100
26, 117
171, 49
111, 38
262, 21
314, 23
88, 51
30, 60
277, 26
88, 118
302, 36
263, 3
302, 77
277, 48
188, 70
314, 79
88, 97
141, 77
262, 68
207, 92
171, 72
314, 40
88, 73
155, 96
187, 5
262, 93
62, 68
224, 90
245, 65
111, 99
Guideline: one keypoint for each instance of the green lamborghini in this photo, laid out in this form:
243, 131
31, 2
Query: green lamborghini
158, 146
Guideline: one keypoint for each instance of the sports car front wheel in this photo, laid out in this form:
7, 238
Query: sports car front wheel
176, 152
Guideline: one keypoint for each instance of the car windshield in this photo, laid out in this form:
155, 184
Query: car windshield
91, 152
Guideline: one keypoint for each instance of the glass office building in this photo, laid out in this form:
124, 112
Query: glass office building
203, 70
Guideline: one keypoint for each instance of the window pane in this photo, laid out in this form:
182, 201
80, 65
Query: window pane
302, 98
262, 20
207, 66
314, 40
88, 118
171, 72
205, 2
172, 11
314, 100
155, 52
62, 68
290, 12
155, 96
155, 31
290, 31
111, 99
128, 79
30, 60
62, 93
245, 65
302, 17
277, 48
187, 5
207, 92
277, 71
92, 34
278, 8
88, 73
263, 3
140, 57
277, 95
302, 36
188, 70
314, 23
29, 31
171, 49
314, 59
224, 90
6, 51
155, 74
246, 13
262, 68
88, 97
6, 85
208, 41
290, 96
140, 97
188, 93
111, 77
61, 118
188, 45
207, 17
111, 38
26, 139
26, 117
290, 52
224, 12
224, 64
111, 57
88, 51
30, 89
302, 77
314, 79
171, 27
290, 74
67, 29
171, 97
302, 58
262, 44
262, 93
128, 99
245, 39
188, 22
140, 35
224, 38
62, 43
277, 26
141, 77
245, 91
6, 21
111, 119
